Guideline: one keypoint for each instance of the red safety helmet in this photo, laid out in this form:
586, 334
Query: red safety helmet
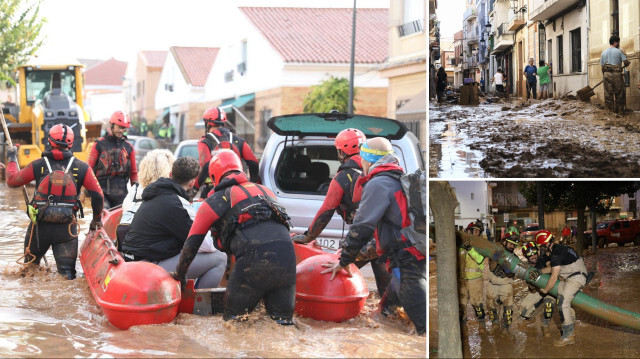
349, 140
215, 116
529, 249
121, 119
472, 226
223, 161
60, 136
543, 237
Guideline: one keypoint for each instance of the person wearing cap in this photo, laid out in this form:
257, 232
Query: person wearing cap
500, 286
470, 278
534, 299
383, 210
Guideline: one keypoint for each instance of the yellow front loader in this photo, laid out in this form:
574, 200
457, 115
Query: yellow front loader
48, 95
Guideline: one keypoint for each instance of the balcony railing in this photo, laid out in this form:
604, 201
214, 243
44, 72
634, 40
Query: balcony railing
410, 28
503, 29
469, 13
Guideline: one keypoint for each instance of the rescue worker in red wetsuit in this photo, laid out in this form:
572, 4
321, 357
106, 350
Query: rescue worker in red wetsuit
247, 222
383, 212
59, 177
113, 160
340, 197
218, 136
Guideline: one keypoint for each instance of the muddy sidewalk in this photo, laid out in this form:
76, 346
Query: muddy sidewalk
550, 138
616, 282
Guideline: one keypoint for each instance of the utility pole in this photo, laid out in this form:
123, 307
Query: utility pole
353, 55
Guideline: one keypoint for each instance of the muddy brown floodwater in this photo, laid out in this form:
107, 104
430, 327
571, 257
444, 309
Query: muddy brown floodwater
43, 315
617, 282
550, 138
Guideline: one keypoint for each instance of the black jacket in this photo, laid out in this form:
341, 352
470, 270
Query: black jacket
161, 224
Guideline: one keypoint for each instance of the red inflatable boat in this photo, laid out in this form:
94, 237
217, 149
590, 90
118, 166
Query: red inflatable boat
129, 293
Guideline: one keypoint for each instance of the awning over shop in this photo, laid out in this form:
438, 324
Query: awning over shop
164, 114
238, 102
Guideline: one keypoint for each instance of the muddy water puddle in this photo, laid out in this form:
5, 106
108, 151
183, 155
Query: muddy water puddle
42, 314
617, 282
551, 138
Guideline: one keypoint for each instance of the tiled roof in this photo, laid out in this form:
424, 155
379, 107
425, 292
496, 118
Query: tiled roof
195, 62
154, 58
108, 73
313, 35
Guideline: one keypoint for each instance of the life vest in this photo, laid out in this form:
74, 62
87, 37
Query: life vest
226, 141
254, 206
347, 208
114, 159
56, 197
468, 262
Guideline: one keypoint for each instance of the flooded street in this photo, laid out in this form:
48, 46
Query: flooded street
550, 138
617, 282
42, 314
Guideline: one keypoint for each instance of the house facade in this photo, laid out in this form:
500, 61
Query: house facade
103, 89
141, 85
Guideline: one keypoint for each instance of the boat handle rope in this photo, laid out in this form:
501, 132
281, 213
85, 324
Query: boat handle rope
107, 242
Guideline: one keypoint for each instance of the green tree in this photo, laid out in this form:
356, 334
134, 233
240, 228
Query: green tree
331, 94
20, 28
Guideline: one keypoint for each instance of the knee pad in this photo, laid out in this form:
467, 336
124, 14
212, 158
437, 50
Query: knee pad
479, 311
493, 314
548, 308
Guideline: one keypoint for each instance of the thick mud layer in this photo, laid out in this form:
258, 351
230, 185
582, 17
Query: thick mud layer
550, 138
616, 283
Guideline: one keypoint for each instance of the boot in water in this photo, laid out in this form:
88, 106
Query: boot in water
568, 336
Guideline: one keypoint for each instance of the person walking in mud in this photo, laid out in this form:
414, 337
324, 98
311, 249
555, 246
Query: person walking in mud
55, 205
470, 278
567, 265
498, 78
381, 213
611, 61
441, 84
534, 299
530, 72
500, 287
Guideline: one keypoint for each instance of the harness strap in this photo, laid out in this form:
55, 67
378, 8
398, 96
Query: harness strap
576, 273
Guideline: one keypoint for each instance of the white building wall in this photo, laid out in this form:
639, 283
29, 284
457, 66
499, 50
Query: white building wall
567, 81
101, 106
182, 91
473, 201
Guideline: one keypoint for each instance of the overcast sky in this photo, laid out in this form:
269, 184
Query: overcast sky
450, 16
101, 29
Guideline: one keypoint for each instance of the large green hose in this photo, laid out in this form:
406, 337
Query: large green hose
512, 264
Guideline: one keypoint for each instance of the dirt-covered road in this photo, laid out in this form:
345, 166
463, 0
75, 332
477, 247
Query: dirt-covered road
551, 138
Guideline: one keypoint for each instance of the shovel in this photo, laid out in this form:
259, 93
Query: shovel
586, 93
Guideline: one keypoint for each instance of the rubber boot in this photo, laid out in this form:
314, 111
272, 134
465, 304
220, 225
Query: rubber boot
482, 327
568, 336
546, 331
507, 317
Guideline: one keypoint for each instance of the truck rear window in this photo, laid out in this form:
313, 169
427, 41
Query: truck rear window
306, 169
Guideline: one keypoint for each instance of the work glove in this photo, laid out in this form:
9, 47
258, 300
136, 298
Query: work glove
182, 278
534, 275
95, 224
12, 154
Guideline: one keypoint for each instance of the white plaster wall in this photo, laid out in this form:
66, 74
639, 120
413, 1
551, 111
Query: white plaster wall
564, 25
470, 209
182, 91
101, 106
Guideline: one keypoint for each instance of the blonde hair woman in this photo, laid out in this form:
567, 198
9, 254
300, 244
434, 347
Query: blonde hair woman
155, 164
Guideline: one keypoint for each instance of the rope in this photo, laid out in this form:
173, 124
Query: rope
27, 250
75, 221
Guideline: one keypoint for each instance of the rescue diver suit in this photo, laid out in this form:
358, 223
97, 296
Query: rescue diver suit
114, 162
62, 237
246, 221
209, 142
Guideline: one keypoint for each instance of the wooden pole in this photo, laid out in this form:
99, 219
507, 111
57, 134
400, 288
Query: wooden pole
10, 144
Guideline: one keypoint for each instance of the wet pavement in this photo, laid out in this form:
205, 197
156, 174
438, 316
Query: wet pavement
617, 282
43, 315
515, 139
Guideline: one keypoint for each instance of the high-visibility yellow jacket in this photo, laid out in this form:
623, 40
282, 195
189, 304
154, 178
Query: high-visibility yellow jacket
471, 264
